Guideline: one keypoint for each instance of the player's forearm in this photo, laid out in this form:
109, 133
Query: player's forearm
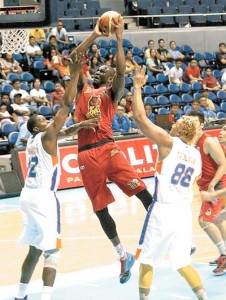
120, 58
138, 107
86, 43
218, 175
71, 91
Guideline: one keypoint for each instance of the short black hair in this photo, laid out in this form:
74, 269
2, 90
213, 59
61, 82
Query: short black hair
198, 114
31, 123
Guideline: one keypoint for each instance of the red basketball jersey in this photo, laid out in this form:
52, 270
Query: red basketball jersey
95, 103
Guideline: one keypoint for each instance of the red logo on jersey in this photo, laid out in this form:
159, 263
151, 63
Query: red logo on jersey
94, 107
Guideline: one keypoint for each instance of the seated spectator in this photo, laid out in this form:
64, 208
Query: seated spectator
33, 51
153, 64
210, 104
57, 95
71, 48
223, 81
60, 33
94, 51
129, 102
49, 47
23, 135
3, 76
6, 100
121, 122
176, 73
63, 68
175, 111
38, 34
164, 55
54, 63
5, 116
151, 46
20, 109
94, 65
9, 64
221, 57
174, 52
149, 113
195, 106
210, 82
208, 113
66, 80
38, 96
131, 65
192, 73
122, 102
25, 97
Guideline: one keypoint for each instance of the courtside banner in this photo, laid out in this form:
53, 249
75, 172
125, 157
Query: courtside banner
140, 152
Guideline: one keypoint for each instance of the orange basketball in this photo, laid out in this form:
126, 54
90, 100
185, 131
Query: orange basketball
107, 23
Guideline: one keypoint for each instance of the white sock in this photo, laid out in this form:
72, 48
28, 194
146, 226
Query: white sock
225, 245
201, 295
143, 296
47, 292
22, 290
221, 247
121, 252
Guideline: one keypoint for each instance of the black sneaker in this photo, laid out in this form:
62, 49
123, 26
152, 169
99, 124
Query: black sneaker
25, 298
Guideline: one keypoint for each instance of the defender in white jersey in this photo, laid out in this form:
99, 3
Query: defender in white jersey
39, 205
168, 225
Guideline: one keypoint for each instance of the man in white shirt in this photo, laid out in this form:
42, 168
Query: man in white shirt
60, 33
33, 50
20, 109
176, 73
26, 98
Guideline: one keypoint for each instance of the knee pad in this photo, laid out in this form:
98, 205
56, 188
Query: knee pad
145, 276
51, 258
191, 276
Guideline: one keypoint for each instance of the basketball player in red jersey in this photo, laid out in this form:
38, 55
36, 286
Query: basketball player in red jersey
99, 157
213, 178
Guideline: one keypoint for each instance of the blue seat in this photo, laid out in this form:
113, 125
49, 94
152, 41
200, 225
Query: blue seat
209, 59
73, 13
138, 59
199, 20
70, 23
148, 90
39, 65
163, 111
212, 96
56, 107
161, 89
6, 88
215, 19
174, 99
88, 12
76, 4
221, 115
128, 81
151, 79
197, 96
125, 92
173, 88
223, 106
49, 86
65, 52
103, 52
217, 108
217, 73
136, 51
221, 96
161, 78
198, 56
27, 76
25, 87
162, 100
7, 128
13, 76
185, 88
113, 43
127, 44
183, 9
196, 86
150, 100
168, 20
191, 2
103, 44
46, 111
187, 50
84, 24
12, 138
113, 50
102, 10
186, 98
93, 4
18, 57
186, 108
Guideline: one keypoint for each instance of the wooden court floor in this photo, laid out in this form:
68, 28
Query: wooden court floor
84, 244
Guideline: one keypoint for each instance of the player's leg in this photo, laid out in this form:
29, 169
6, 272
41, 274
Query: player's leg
145, 197
28, 267
192, 277
145, 280
49, 272
109, 227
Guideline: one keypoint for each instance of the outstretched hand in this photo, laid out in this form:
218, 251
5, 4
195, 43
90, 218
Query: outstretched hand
139, 78
96, 29
75, 62
91, 123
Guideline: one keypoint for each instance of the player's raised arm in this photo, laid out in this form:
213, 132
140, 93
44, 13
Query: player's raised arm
153, 132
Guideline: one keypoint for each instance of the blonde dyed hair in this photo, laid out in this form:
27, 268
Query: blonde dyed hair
188, 129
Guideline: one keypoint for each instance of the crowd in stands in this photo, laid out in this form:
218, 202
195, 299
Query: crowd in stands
178, 80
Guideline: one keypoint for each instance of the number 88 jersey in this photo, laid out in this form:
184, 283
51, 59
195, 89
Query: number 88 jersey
43, 169
176, 174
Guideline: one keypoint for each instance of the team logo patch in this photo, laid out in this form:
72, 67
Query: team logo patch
208, 212
134, 183
94, 107
81, 167
114, 151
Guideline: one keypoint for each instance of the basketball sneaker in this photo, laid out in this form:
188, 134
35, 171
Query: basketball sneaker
126, 265
214, 262
221, 267
193, 249
25, 298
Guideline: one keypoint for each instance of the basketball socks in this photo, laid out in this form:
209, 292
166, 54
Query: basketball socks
221, 247
47, 292
22, 290
143, 296
201, 295
121, 252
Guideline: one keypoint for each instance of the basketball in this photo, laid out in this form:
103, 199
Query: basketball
107, 22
